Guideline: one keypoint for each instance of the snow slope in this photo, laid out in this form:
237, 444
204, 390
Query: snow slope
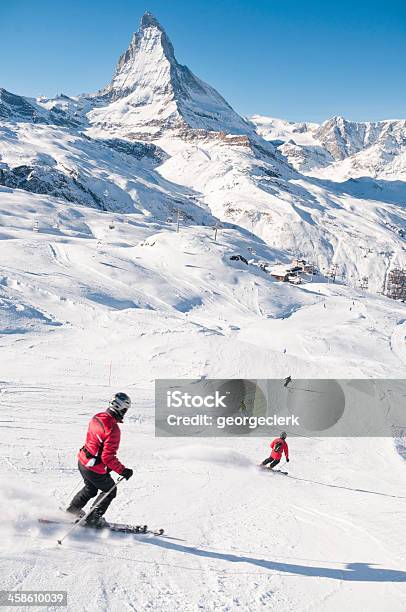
102, 309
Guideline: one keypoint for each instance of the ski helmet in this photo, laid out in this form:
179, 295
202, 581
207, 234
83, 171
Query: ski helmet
119, 405
283, 435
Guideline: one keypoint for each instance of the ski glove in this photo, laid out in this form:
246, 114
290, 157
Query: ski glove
127, 473
287, 460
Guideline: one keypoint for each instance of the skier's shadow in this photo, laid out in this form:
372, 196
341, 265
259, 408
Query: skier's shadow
356, 572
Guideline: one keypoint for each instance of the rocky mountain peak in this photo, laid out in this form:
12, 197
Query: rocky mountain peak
150, 91
147, 59
148, 20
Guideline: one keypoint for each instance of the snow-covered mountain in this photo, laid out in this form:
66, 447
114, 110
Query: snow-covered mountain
340, 149
151, 92
158, 139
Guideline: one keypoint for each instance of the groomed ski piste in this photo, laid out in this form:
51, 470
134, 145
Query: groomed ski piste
88, 310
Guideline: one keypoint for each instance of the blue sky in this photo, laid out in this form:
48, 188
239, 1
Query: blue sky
299, 60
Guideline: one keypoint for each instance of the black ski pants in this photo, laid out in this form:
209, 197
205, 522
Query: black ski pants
272, 462
93, 483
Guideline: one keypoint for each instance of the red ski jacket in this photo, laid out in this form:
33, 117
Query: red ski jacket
281, 447
101, 446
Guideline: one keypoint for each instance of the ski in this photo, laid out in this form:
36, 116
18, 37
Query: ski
134, 529
55, 521
264, 468
116, 527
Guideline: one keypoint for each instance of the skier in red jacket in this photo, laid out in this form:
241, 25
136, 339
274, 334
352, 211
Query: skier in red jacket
97, 458
278, 446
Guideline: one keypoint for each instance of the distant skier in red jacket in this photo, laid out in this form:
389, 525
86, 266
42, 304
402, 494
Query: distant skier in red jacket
97, 458
278, 446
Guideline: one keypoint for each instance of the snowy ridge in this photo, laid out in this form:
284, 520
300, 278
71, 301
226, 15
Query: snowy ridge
340, 149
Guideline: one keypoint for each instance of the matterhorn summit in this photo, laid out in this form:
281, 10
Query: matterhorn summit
151, 92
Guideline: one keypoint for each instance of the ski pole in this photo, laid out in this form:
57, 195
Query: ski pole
82, 520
